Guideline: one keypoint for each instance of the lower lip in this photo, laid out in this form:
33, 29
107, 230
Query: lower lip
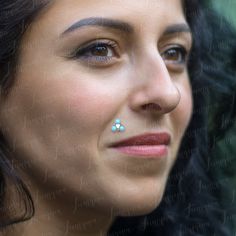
156, 151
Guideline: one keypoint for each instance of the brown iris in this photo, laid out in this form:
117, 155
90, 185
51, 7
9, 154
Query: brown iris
101, 51
172, 55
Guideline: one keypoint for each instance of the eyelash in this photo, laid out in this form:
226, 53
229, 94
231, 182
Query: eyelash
80, 53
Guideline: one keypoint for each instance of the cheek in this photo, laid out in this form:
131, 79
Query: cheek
91, 103
183, 112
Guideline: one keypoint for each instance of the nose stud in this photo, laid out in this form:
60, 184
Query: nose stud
117, 126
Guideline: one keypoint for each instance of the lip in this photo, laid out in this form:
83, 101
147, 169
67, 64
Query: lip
145, 145
144, 139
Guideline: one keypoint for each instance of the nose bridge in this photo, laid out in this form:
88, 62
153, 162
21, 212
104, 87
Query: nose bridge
155, 70
157, 86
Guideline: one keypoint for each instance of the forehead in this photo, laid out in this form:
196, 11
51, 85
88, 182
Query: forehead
60, 14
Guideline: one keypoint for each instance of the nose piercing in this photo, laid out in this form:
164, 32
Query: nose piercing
117, 126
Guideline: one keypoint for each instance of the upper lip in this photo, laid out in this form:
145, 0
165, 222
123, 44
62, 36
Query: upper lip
145, 139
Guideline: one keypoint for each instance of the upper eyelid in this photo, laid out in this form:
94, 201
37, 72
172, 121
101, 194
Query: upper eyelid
175, 45
109, 42
98, 40
182, 50
171, 46
182, 44
92, 43
180, 39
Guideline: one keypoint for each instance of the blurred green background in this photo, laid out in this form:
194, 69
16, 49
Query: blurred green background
224, 153
226, 8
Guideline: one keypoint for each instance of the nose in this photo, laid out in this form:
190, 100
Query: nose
154, 90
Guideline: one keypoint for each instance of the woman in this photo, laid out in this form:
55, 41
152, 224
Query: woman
67, 166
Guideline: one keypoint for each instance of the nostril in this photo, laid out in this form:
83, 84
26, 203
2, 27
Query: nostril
152, 106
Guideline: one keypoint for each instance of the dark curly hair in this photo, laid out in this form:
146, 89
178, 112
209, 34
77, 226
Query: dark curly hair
189, 207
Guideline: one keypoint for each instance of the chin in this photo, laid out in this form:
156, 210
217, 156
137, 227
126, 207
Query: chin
138, 210
138, 204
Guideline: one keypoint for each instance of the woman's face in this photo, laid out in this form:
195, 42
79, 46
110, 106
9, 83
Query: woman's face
71, 86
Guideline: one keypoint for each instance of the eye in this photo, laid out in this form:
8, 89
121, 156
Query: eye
99, 52
176, 54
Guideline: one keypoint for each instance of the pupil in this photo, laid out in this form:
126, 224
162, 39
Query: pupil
173, 54
100, 51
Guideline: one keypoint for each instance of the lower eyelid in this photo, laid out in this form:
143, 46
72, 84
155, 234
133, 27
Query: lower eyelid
98, 58
98, 62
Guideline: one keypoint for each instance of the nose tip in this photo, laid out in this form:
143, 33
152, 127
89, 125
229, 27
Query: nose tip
160, 102
169, 99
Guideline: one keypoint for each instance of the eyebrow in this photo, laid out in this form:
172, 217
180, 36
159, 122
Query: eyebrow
120, 25
177, 28
103, 22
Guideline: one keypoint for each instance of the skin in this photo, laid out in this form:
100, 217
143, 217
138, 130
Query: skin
58, 117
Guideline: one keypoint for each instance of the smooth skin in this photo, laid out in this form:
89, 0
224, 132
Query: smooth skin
59, 114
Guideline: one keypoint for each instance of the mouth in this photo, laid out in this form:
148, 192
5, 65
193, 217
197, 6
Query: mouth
145, 145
